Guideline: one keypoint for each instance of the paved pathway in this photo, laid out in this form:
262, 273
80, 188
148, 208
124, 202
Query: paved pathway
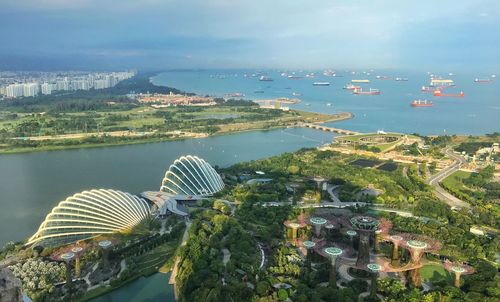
435, 179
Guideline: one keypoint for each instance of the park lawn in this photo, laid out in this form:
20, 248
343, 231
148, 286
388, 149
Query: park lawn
435, 272
456, 179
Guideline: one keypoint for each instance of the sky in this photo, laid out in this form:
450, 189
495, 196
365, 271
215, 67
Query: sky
168, 34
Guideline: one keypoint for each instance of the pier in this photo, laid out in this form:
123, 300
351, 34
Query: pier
330, 129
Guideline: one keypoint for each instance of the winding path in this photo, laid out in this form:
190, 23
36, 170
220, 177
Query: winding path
435, 179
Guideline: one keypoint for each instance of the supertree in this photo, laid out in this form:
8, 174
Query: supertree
309, 246
374, 268
365, 226
396, 241
458, 269
295, 225
77, 250
351, 234
418, 246
317, 222
67, 258
329, 226
332, 253
105, 246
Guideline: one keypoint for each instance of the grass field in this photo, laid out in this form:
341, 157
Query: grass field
455, 180
435, 272
376, 140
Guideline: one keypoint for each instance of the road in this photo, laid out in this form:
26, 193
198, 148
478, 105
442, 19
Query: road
435, 179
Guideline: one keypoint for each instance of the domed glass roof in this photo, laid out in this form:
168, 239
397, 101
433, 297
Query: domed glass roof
191, 175
88, 214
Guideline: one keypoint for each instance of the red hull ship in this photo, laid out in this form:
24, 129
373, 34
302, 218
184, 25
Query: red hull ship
456, 95
420, 103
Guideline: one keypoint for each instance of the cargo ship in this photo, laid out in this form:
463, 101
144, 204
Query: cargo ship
476, 80
296, 94
360, 81
321, 84
351, 87
294, 77
431, 89
421, 103
265, 79
369, 92
441, 83
379, 77
401, 79
456, 95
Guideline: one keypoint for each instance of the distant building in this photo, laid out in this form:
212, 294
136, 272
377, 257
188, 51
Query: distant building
46, 88
31, 89
62, 84
14, 90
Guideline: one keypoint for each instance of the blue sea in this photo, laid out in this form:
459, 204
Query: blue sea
476, 113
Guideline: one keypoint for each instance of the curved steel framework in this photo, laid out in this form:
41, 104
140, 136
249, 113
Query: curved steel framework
191, 175
89, 214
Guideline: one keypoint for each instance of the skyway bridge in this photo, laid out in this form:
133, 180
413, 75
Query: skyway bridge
330, 129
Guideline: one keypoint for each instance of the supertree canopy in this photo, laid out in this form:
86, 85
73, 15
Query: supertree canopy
458, 269
365, 223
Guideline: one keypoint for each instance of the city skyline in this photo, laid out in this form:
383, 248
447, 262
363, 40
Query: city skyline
221, 34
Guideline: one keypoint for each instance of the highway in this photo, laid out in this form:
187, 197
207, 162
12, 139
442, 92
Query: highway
435, 179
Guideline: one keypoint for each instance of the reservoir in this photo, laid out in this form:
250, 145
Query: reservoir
31, 184
152, 288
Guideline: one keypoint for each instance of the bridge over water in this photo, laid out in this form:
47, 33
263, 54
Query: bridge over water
330, 129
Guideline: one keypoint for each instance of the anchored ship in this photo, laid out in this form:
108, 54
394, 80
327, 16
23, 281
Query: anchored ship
321, 84
360, 81
370, 92
476, 80
351, 87
265, 79
441, 83
421, 103
456, 95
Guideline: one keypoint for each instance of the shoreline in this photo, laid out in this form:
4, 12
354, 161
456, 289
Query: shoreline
342, 117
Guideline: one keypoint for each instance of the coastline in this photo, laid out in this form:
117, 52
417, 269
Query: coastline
341, 116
